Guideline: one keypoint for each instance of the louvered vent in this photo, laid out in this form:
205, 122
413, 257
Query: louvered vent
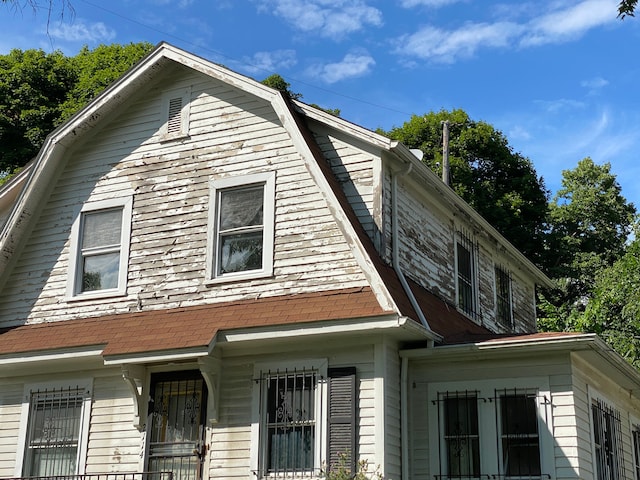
174, 122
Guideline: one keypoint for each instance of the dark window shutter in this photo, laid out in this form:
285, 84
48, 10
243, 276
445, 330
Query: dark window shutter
342, 417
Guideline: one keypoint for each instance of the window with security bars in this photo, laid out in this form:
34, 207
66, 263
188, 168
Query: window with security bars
458, 412
289, 424
53, 432
635, 435
503, 297
519, 440
466, 276
607, 438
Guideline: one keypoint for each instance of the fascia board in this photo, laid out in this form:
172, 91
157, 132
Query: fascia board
55, 361
404, 154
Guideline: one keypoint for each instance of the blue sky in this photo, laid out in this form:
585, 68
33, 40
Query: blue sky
558, 77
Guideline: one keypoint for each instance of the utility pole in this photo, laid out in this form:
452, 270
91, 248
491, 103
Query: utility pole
445, 152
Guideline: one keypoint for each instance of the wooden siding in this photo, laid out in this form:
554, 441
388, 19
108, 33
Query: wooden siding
232, 133
553, 371
114, 445
10, 411
356, 168
427, 254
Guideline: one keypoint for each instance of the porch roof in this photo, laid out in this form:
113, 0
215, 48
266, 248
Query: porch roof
188, 327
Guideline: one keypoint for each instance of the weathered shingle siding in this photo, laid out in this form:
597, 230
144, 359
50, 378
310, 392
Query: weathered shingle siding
232, 133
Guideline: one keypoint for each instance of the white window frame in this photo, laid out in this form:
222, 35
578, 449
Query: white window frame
258, 449
488, 421
185, 114
74, 277
216, 185
463, 238
507, 272
86, 384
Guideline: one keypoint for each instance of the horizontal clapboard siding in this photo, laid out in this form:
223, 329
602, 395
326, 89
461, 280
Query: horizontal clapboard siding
10, 411
232, 133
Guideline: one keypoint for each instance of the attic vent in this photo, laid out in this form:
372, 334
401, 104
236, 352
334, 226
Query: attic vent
174, 121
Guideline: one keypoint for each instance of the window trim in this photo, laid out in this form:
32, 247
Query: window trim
258, 450
468, 242
507, 273
74, 276
267, 179
488, 421
185, 114
84, 384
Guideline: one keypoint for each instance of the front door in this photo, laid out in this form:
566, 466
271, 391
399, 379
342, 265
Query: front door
176, 427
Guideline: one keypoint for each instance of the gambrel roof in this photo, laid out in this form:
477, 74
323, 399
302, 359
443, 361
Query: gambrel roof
385, 295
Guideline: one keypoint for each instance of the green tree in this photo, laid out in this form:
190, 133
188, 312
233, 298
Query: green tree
614, 310
33, 86
99, 68
38, 91
277, 82
627, 8
590, 222
499, 183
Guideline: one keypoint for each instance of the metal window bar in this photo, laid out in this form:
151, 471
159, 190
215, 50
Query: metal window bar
519, 438
289, 423
635, 436
105, 476
53, 431
466, 253
607, 434
459, 446
503, 297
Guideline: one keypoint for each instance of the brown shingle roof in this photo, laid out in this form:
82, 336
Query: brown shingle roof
188, 327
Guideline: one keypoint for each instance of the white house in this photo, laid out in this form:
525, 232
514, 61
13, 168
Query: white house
204, 278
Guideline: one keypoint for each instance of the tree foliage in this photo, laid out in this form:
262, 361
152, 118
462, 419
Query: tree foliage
499, 183
38, 91
627, 8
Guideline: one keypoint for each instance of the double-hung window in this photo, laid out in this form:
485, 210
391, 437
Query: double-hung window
290, 431
54, 432
503, 297
486, 432
241, 227
607, 440
466, 280
99, 249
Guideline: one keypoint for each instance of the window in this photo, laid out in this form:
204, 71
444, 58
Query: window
519, 438
242, 227
175, 114
466, 275
607, 440
487, 432
291, 416
503, 297
55, 424
100, 248
461, 434
635, 434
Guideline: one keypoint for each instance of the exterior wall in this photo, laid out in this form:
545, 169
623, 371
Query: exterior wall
595, 384
357, 169
551, 372
114, 445
232, 133
428, 232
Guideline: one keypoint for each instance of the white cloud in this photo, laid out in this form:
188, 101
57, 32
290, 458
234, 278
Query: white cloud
352, 65
594, 83
269, 62
569, 23
554, 26
329, 18
427, 3
444, 46
79, 31
562, 104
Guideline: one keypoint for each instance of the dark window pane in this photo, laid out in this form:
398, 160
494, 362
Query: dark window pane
241, 208
519, 433
100, 271
240, 252
461, 436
